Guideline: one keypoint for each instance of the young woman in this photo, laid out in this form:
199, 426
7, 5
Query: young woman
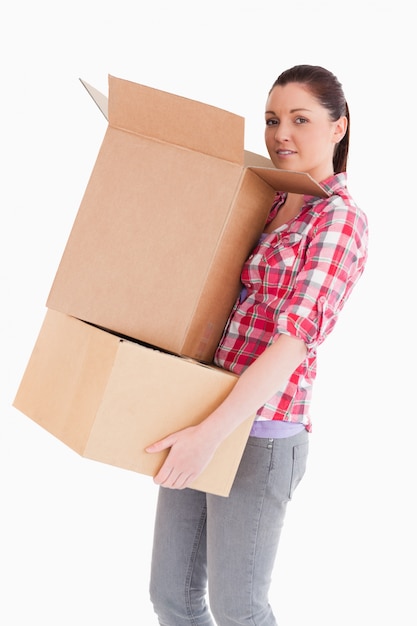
294, 285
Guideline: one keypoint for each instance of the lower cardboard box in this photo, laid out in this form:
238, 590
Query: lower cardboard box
107, 398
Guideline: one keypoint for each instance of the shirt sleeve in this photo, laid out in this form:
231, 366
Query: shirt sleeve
334, 261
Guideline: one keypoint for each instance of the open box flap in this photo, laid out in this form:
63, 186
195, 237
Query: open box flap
283, 180
99, 98
280, 180
290, 181
170, 118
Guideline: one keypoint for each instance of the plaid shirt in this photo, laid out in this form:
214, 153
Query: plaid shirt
296, 282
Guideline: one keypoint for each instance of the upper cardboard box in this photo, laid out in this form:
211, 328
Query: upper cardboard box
173, 207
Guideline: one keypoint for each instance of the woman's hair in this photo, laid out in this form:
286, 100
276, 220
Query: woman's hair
328, 91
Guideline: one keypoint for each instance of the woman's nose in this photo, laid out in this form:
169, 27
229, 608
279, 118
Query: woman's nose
282, 132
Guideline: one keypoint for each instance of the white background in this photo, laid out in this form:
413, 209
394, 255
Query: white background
75, 535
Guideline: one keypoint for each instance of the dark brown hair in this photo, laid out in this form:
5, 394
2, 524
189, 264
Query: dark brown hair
328, 90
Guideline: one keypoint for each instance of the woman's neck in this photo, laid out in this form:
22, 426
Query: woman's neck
290, 209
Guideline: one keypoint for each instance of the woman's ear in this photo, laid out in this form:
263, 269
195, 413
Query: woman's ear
340, 128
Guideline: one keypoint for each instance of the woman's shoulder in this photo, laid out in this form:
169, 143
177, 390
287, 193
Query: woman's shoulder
340, 199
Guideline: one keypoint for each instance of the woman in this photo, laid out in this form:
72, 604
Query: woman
295, 283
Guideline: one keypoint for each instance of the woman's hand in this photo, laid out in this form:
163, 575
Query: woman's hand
190, 453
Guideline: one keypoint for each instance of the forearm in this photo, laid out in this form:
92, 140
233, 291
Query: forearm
268, 374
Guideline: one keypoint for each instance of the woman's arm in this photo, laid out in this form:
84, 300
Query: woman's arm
191, 449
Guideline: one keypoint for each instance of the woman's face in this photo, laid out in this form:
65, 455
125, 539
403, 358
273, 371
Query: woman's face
299, 133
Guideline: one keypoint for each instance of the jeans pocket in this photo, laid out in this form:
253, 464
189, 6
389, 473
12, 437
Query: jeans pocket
299, 464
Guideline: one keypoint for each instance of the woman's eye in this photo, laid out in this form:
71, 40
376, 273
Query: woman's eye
301, 120
271, 122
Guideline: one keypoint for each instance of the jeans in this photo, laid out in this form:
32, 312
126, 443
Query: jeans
225, 548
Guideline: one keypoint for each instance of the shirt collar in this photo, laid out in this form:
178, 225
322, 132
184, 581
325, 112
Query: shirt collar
332, 185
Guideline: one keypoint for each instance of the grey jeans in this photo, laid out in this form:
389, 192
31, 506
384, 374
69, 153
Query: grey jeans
225, 546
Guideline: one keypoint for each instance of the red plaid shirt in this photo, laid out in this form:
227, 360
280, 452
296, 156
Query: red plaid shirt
296, 282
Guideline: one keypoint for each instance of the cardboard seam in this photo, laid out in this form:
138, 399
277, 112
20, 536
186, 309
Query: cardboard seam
215, 261
102, 393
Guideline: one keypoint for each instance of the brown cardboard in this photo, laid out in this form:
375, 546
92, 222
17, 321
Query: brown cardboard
171, 211
108, 398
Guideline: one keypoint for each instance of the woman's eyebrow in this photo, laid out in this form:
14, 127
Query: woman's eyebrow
300, 109
291, 111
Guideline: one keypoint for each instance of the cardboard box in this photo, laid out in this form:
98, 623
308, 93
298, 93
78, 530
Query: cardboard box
108, 398
172, 209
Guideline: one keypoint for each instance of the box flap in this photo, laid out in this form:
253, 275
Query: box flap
252, 159
174, 119
99, 98
291, 181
